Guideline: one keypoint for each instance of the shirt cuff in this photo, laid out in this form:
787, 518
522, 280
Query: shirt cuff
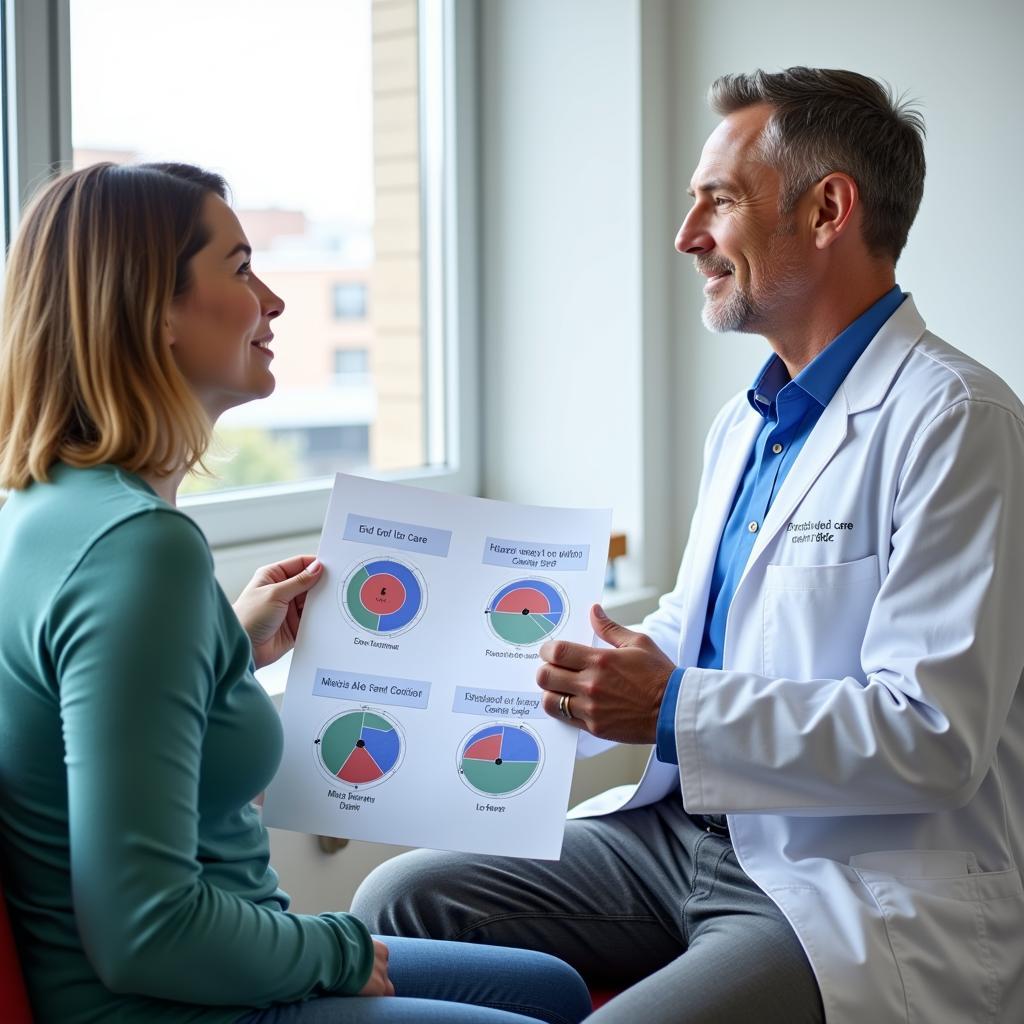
666, 735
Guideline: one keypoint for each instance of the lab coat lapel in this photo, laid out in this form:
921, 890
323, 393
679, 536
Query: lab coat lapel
819, 448
865, 387
735, 452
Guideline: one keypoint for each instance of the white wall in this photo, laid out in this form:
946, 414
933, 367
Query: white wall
562, 257
962, 61
599, 379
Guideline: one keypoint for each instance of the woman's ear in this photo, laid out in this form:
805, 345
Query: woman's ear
169, 333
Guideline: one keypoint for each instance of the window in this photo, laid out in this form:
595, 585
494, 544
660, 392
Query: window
349, 362
340, 152
317, 205
349, 300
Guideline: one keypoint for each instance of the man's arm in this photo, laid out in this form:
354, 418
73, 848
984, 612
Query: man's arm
663, 626
942, 656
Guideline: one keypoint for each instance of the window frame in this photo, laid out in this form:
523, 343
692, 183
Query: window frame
37, 116
5, 176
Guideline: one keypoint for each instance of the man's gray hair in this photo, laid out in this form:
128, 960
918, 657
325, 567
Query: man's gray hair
826, 121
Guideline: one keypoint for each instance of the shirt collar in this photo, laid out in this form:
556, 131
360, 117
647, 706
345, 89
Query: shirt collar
821, 377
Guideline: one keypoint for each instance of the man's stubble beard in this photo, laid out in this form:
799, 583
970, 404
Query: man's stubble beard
732, 313
745, 313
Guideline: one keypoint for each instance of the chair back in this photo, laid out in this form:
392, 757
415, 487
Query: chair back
14, 1008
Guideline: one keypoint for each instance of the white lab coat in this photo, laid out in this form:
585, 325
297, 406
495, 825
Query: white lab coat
866, 732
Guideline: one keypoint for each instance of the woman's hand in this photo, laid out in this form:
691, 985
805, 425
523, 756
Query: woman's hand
271, 605
379, 983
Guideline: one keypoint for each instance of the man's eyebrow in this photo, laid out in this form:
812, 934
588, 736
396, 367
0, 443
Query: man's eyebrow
713, 185
241, 247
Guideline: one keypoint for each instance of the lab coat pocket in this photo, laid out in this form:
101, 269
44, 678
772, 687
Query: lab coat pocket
815, 617
947, 925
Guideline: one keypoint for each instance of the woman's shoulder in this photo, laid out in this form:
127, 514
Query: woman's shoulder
55, 526
105, 483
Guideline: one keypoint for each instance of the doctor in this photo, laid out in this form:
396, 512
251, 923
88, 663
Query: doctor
832, 824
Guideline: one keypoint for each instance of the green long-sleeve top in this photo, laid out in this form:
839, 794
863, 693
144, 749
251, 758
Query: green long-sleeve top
133, 737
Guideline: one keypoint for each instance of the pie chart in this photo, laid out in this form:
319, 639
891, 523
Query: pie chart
361, 747
500, 760
527, 611
384, 596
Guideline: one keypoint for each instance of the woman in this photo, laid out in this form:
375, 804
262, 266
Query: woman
133, 735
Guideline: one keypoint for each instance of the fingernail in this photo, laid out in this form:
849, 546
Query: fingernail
599, 612
315, 566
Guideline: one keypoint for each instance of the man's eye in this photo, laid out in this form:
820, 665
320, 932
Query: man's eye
722, 201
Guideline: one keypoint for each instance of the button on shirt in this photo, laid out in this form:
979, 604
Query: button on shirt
790, 409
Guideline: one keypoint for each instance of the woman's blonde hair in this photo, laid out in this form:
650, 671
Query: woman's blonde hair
86, 374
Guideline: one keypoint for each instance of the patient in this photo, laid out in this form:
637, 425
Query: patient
133, 735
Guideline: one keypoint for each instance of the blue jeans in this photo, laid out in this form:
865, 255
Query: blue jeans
452, 983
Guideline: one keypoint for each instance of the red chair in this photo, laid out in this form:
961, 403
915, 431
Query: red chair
14, 1008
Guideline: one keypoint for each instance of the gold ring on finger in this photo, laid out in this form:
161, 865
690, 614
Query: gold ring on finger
563, 705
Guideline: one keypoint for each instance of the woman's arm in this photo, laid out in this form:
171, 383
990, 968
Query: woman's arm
133, 635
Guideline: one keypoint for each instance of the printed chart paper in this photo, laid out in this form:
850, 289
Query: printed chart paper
412, 714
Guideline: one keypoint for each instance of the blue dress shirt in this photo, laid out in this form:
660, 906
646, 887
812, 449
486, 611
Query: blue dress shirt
790, 409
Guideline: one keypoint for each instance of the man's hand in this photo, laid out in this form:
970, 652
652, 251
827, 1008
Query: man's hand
379, 983
616, 694
271, 605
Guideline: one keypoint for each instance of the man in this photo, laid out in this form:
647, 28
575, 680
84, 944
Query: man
832, 824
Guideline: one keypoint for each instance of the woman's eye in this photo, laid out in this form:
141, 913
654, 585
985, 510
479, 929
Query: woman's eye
246, 267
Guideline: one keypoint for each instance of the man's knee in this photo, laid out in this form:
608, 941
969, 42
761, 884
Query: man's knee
407, 896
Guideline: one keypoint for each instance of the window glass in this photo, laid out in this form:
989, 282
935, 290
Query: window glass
349, 300
351, 361
310, 110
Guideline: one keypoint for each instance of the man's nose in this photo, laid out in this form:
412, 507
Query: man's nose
693, 238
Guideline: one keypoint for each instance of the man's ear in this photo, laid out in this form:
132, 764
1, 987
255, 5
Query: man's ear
835, 201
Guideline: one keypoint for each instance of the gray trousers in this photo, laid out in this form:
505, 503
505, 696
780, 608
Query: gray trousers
644, 900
